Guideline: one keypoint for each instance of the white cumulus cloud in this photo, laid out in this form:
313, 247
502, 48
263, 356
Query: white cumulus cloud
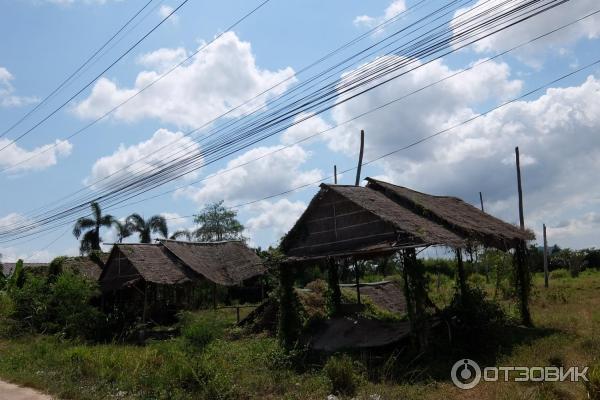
242, 180
220, 77
7, 91
39, 158
272, 219
393, 9
538, 25
142, 158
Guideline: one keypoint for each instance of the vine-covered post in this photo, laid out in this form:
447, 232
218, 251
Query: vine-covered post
289, 319
416, 295
462, 279
334, 294
523, 282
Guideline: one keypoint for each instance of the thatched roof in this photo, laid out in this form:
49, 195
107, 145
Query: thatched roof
354, 221
454, 213
9, 267
86, 266
172, 262
226, 263
419, 228
154, 263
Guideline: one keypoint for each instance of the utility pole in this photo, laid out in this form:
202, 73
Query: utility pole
360, 156
335, 174
545, 258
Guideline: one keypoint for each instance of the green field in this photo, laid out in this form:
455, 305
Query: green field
213, 361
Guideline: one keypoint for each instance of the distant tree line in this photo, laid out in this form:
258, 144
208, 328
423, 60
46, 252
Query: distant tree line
215, 223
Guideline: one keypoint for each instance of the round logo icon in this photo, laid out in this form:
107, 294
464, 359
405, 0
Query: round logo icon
465, 374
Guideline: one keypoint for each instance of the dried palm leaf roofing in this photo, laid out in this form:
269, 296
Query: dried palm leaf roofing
353, 221
172, 262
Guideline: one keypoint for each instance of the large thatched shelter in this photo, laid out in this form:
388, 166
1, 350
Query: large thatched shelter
167, 276
345, 223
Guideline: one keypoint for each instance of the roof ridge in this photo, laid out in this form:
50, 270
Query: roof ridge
413, 190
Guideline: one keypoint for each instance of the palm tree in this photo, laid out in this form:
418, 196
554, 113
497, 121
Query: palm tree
123, 230
91, 238
182, 233
156, 224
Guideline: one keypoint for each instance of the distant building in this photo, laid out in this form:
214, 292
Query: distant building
156, 280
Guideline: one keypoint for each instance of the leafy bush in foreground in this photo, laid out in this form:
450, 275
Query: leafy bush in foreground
343, 374
62, 305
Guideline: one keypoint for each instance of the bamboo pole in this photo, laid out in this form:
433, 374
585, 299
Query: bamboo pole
545, 258
360, 157
524, 280
335, 174
481, 201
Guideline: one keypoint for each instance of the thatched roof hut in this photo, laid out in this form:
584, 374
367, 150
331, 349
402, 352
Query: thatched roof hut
129, 264
225, 263
382, 218
171, 262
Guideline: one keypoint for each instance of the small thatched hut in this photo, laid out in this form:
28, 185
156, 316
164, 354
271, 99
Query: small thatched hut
170, 275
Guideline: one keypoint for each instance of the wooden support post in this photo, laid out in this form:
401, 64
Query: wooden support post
335, 174
523, 275
360, 157
237, 310
481, 201
214, 295
415, 293
357, 279
289, 321
335, 294
545, 258
462, 279
144, 311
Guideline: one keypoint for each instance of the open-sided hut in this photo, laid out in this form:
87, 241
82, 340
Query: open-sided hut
167, 276
345, 223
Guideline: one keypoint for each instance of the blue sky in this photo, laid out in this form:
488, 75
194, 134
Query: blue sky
45, 40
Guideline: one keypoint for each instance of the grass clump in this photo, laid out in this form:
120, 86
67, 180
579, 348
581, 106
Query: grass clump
344, 375
593, 385
199, 330
560, 273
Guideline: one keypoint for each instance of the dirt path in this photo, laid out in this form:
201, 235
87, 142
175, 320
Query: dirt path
8, 391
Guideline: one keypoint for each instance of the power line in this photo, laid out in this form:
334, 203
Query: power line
95, 79
147, 184
86, 62
162, 173
406, 147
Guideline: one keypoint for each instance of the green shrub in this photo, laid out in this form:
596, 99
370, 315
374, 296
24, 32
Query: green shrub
63, 306
343, 374
477, 280
479, 320
200, 331
560, 273
593, 386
